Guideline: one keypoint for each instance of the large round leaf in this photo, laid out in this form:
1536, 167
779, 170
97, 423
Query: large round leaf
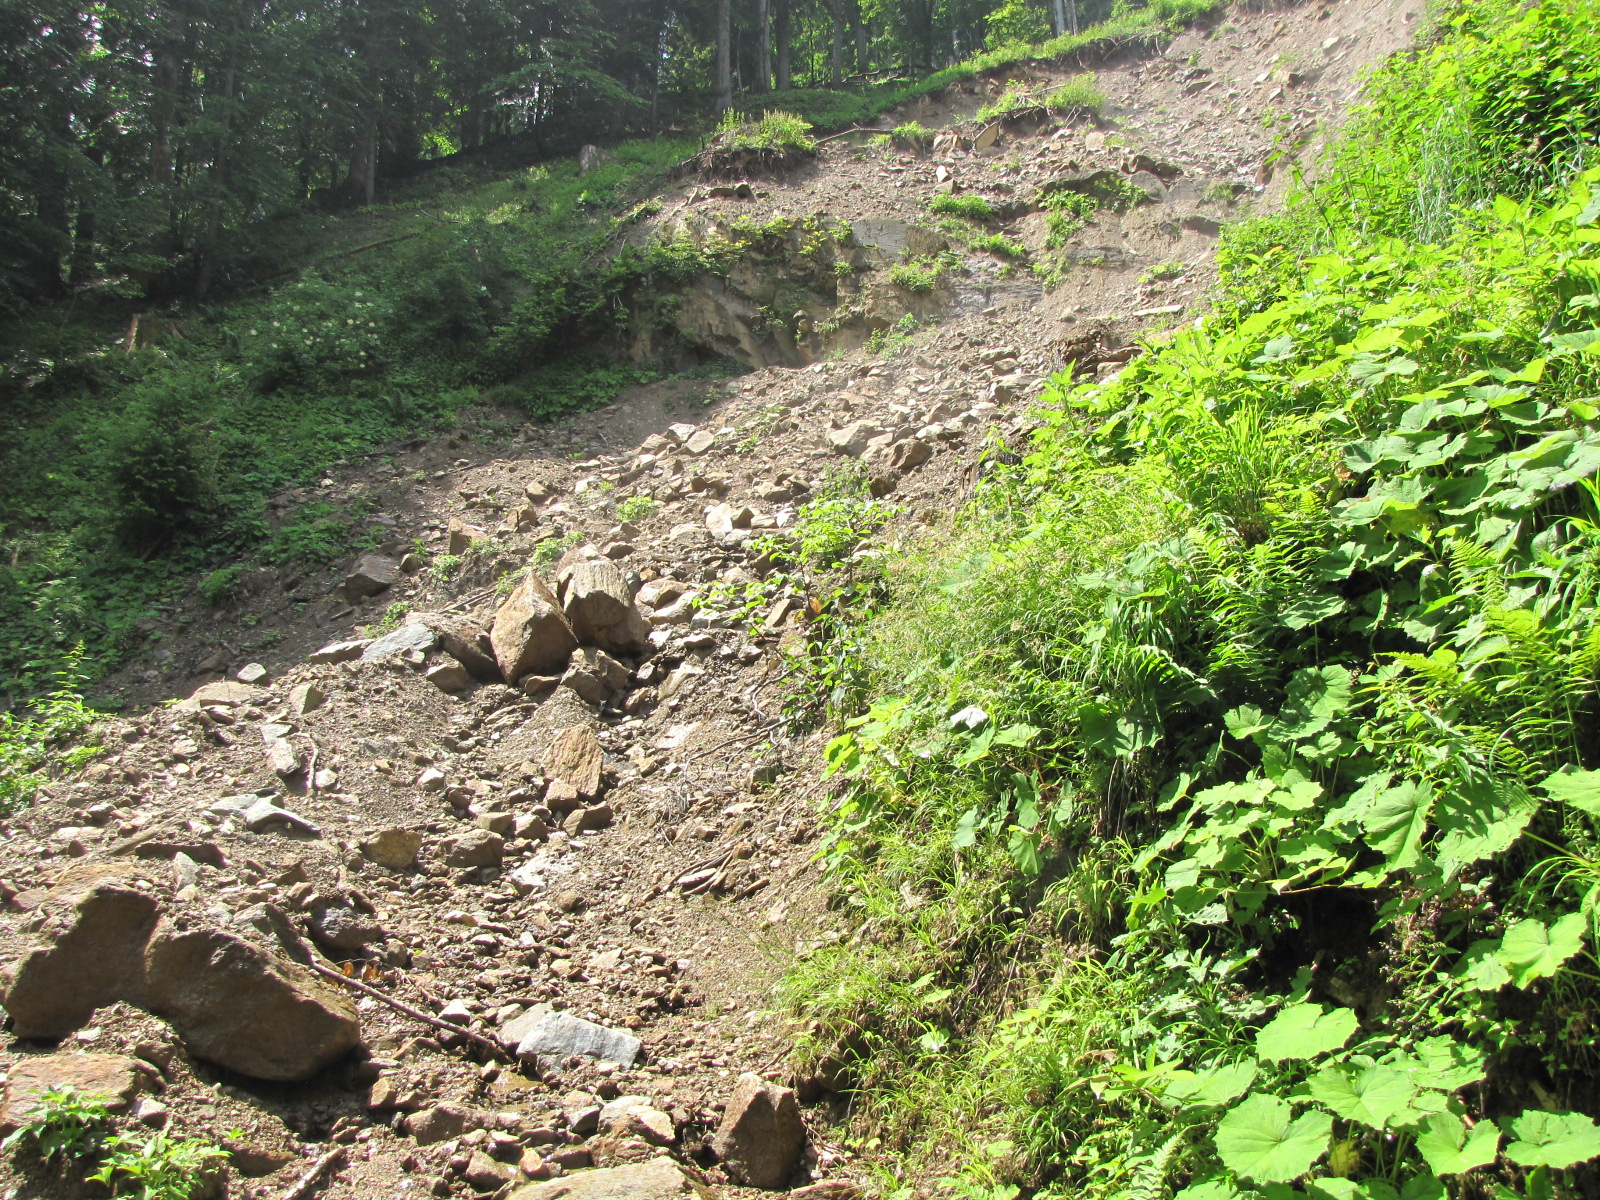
1262, 1140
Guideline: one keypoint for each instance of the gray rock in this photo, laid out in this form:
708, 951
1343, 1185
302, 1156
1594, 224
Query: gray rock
282, 757
463, 640
530, 635
407, 637
340, 927
373, 573
338, 652
559, 1035
510, 1034
306, 698
251, 673
658, 1179
600, 608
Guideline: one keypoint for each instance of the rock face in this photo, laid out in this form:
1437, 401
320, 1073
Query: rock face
761, 1135
407, 637
238, 1004
113, 1078
658, 1179
530, 634
246, 1010
600, 609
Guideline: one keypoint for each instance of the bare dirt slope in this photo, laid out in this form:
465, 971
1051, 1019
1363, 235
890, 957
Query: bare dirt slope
657, 881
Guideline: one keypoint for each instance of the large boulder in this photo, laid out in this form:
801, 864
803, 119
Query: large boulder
600, 608
243, 1008
89, 951
559, 1035
530, 635
762, 1133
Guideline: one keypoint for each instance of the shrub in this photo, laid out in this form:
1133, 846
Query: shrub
1080, 94
775, 131
63, 1122
1016, 22
636, 508
967, 205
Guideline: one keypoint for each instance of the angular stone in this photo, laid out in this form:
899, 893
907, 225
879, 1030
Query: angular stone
600, 608
241, 1007
852, 440
407, 637
658, 1179
598, 817
510, 1034
229, 694
252, 673
474, 848
283, 758
762, 1133
113, 1078
560, 1035
393, 849
530, 634
700, 441
338, 652
908, 454
460, 536
89, 951
486, 1175
633, 1116
373, 573
437, 1124
306, 698
450, 677
463, 640
340, 927
575, 758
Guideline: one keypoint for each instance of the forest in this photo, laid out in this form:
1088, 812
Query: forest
141, 136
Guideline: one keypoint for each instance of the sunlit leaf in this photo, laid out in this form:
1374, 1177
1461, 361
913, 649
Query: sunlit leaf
1558, 1140
1305, 1031
1451, 1148
1262, 1140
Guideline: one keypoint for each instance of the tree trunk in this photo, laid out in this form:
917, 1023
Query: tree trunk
836, 47
163, 103
361, 181
1072, 17
724, 57
781, 28
763, 46
861, 37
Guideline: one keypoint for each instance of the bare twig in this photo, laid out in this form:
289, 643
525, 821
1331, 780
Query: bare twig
307, 1183
733, 741
402, 1007
311, 770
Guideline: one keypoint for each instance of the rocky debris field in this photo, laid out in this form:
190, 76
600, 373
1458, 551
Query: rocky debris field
468, 864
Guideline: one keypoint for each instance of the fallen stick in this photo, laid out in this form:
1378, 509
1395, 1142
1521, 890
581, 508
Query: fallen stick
743, 737
402, 1007
307, 1183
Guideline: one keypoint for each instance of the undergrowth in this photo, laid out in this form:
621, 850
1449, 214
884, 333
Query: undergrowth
1216, 807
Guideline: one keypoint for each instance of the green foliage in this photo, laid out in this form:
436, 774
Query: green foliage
967, 205
1080, 94
1216, 797
886, 343
220, 587
1066, 214
31, 745
924, 274
1164, 271
636, 508
777, 130
62, 1122
999, 245
912, 135
157, 1167
1016, 22
318, 532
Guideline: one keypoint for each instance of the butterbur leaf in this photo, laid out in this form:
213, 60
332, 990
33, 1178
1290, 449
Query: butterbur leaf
1556, 1140
1481, 819
1261, 1140
1395, 823
1581, 789
1220, 1084
1349, 1189
1422, 1187
1209, 1189
1531, 951
1480, 967
1016, 735
1308, 610
1373, 1096
1451, 1148
1304, 1031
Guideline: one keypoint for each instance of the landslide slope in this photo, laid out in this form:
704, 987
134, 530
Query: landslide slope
662, 884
